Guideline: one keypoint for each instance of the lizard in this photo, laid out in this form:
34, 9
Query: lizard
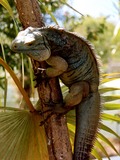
72, 59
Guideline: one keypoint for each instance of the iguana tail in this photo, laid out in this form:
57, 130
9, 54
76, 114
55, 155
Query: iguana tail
87, 120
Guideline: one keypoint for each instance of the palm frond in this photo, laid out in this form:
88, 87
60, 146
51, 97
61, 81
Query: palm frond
106, 140
4, 64
21, 137
111, 106
106, 116
6, 5
101, 147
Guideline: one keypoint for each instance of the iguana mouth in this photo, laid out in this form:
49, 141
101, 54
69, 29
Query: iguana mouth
27, 51
35, 52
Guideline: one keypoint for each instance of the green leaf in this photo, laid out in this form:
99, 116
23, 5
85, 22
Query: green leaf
96, 154
106, 116
50, 13
21, 137
23, 92
31, 75
107, 129
100, 146
64, 88
72, 135
116, 33
6, 5
71, 127
111, 106
108, 89
105, 80
71, 7
111, 98
9, 108
106, 140
111, 74
71, 116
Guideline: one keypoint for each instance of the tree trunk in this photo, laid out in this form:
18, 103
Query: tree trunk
56, 129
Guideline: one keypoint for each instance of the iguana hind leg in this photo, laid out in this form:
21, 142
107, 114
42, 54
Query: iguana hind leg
77, 92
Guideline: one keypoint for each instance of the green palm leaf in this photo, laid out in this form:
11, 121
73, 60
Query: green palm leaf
6, 5
21, 137
109, 130
96, 154
106, 140
108, 89
100, 146
106, 116
111, 106
49, 12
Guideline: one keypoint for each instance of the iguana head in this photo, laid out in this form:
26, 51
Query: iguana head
33, 43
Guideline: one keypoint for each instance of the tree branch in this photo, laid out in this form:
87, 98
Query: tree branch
56, 129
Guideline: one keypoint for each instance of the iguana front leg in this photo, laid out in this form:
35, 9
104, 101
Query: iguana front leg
77, 91
58, 65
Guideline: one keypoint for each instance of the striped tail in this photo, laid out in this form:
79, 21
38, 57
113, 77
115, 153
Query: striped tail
87, 120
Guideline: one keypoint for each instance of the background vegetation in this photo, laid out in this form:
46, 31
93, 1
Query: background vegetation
103, 34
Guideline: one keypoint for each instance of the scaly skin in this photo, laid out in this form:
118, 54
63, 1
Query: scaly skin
73, 60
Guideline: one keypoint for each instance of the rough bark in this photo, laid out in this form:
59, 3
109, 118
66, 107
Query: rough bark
56, 129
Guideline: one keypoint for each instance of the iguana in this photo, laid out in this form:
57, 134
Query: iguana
72, 59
